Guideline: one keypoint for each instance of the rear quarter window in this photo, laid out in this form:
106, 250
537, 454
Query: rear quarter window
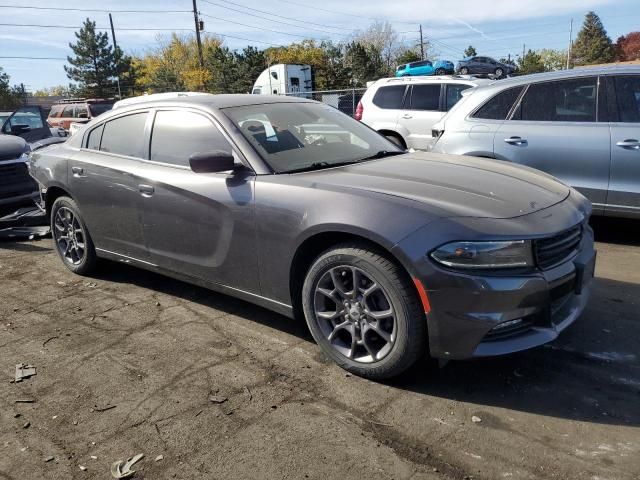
498, 107
391, 97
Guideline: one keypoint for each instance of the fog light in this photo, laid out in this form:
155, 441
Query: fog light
510, 323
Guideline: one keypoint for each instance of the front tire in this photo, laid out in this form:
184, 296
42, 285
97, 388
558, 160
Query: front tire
440, 71
71, 237
464, 71
363, 311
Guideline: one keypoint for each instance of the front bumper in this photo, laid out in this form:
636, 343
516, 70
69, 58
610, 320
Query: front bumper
16, 185
466, 307
537, 307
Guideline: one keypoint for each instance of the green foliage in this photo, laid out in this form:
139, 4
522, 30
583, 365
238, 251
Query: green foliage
508, 61
553, 59
364, 63
407, 56
530, 63
592, 44
10, 96
470, 51
93, 65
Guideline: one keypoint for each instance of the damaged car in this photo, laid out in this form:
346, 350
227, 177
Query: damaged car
292, 205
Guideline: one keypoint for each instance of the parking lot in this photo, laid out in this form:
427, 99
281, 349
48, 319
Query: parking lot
159, 351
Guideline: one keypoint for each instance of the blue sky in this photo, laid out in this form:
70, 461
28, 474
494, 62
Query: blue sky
495, 27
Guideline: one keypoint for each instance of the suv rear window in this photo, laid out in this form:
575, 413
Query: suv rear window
389, 97
498, 107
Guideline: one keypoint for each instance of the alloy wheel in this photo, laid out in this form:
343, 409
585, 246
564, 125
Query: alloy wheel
69, 236
354, 314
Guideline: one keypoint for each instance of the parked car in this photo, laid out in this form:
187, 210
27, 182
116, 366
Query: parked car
405, 109
387, 254
65, 112
484, 66
582, 126
425, 67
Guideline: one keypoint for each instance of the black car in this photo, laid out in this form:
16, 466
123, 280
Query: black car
484, 66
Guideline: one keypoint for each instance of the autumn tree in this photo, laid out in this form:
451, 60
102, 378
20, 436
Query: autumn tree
592, 44
553, 59
628, 47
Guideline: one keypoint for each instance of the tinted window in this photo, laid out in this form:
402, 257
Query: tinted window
628, 98
178, 134
99, 108
454, 94
55, 111
82, 112
93, 140
499, 106
425, 97
68, 111
421, 63
563, 101
389, 97
125, 135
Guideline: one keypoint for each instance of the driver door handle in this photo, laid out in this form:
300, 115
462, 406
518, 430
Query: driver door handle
516, 141
77, 171
406, 116
630, 144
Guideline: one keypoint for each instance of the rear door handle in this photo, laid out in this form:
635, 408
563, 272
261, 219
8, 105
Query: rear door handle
407, 116
630, 144
146, 190
77, 171
516, 141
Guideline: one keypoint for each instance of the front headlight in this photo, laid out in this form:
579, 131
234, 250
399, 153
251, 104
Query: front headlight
485, 255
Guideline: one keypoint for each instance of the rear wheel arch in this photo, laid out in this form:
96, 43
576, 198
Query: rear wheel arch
392, 133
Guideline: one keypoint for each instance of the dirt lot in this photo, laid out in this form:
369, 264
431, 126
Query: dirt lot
157, 349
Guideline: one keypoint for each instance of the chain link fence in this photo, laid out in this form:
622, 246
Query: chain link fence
344, 100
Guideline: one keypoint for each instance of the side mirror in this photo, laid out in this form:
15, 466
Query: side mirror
212, 162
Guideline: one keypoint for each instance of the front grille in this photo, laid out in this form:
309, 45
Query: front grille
551, 251
15, 180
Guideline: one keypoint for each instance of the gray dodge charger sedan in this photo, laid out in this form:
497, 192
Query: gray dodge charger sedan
294, 206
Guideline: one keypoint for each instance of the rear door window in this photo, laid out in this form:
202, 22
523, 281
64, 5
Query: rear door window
498, 107
571, 100
628, 98
179, 134
390, 97
125, 136
67, 112
82, 111
425, 97
454, 94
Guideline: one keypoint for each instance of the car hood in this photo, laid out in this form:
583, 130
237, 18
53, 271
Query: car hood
449, 185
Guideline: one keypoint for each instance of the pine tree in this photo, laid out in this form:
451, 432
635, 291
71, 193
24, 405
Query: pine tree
531, 63
592, 45
94, 65
470, 51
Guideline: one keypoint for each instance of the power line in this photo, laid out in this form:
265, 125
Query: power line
307, 23
315, 7
95, 10
272, 20
254, 26
99, 28
35, 58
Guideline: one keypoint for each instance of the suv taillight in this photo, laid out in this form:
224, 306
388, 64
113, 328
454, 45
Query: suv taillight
359, 110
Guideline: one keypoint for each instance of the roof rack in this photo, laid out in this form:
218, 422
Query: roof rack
410, 78
77, 100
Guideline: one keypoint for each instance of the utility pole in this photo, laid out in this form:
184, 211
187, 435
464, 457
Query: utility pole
421, 44
115, 55
197, 23
523, 48
570, 44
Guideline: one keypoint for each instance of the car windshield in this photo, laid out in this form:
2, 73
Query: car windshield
99, 108
294, 137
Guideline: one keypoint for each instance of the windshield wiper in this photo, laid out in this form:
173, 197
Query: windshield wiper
382, 154
319, 166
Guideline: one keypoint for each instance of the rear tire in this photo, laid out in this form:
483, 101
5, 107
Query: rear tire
377, 330
440, 71
464, 71
499, 73
71, 237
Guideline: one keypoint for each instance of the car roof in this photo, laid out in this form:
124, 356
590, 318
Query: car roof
433, 78
561, 74
219, 101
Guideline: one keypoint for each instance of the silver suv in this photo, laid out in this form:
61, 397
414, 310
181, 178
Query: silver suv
582, 126
404, 109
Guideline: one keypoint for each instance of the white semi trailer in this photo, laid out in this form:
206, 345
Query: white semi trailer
284, 79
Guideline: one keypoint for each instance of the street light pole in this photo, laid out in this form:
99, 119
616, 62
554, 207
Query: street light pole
570, 44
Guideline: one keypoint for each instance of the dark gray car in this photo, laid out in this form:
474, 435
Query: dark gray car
484, 66
292, 205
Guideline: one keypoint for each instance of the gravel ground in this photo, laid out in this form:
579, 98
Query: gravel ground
157, 350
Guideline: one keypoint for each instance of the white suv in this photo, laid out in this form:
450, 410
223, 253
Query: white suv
404, 109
